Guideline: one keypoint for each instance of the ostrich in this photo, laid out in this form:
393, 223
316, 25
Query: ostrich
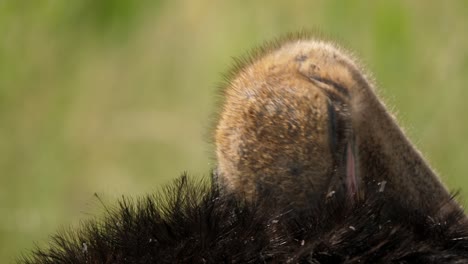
311, 168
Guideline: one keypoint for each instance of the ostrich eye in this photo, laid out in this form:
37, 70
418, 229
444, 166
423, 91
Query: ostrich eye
330, 86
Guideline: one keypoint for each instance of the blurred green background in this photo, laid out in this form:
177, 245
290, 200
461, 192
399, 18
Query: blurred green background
116, 97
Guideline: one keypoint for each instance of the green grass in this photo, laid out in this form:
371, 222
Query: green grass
116, 97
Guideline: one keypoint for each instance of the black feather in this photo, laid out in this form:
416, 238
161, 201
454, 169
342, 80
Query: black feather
192, 222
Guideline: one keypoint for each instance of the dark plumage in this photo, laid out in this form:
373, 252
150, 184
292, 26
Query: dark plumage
193, 223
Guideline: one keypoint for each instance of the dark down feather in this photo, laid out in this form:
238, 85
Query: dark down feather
193, 223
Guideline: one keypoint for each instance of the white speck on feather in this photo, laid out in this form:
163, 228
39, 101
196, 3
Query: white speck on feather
85, 248
330, 194
382, 185
352, 228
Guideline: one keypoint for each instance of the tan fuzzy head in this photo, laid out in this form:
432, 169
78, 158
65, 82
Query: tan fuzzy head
279, 131
300, 121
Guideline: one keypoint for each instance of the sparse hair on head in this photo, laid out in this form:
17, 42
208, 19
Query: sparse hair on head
301, 118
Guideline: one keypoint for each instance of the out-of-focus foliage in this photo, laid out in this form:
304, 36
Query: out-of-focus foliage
116, 96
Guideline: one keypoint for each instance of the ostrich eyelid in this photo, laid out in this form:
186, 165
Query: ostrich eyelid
338, 87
